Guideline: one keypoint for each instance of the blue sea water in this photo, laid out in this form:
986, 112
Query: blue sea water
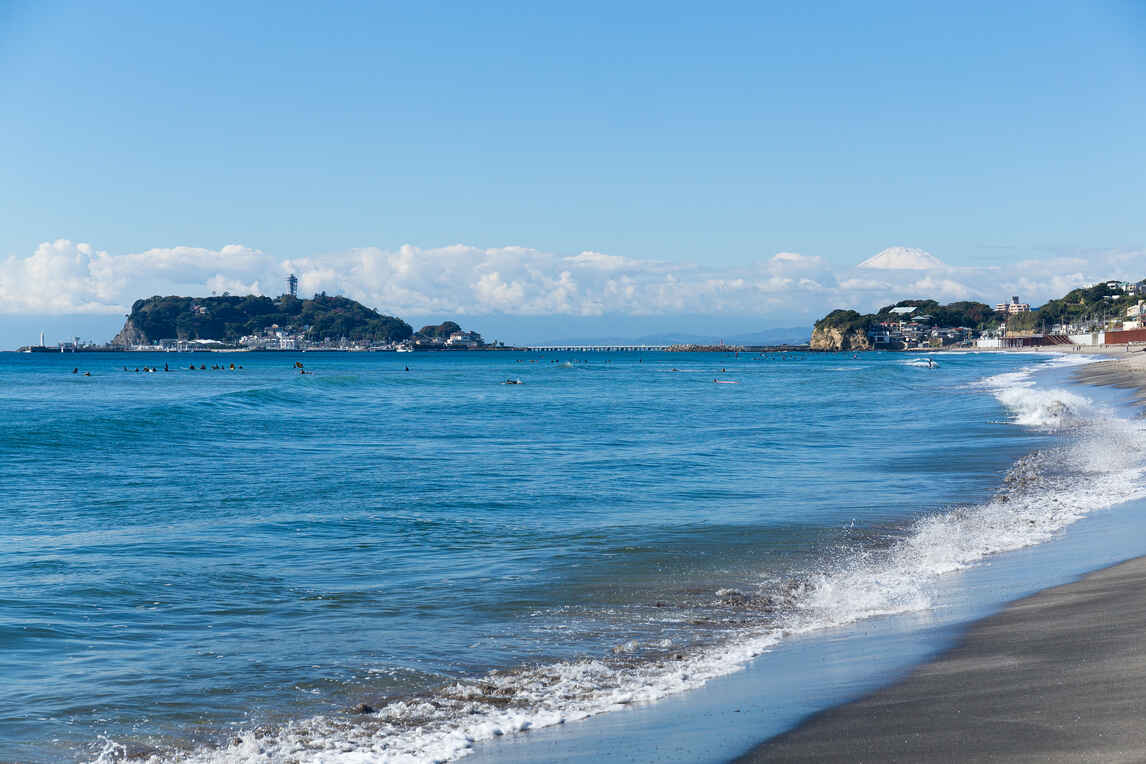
218, 565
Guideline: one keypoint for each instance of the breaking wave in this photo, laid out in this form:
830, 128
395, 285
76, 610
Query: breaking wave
1095, 466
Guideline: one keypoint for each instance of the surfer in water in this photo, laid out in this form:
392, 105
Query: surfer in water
930, 364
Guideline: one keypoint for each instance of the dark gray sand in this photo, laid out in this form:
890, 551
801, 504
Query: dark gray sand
1057, 677
1127, 372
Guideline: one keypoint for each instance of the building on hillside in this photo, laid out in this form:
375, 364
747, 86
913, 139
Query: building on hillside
1138, 287
1013, 307
879, 336
912, 332
464, 340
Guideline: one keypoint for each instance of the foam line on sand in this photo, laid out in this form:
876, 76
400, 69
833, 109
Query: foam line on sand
1056, 677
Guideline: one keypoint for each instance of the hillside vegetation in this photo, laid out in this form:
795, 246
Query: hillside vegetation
975, 315
1084, 307
229, 318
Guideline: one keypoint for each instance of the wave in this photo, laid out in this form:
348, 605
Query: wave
1096, 465
1046, 409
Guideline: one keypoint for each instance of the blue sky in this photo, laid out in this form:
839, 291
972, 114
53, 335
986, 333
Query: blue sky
701, 138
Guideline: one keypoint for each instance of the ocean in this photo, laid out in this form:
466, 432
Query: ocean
400, 557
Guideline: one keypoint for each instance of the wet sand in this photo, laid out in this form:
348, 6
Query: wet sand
1125, 370
1057, 677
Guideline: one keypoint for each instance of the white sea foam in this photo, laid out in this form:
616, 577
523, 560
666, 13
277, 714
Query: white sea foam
1042, 408
1097, 465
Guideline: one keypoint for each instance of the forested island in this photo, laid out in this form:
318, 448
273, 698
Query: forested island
281, 323
230, 318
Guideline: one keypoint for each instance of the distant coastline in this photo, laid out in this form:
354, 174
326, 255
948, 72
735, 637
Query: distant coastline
1099, 315
323, 323
555, 348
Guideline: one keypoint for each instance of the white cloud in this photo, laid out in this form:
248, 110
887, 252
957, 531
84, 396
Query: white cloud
861, 284
459, 280
59, 277
68, 277
795, 260
941, 288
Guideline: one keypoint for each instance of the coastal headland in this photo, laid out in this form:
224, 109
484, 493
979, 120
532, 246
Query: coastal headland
1094, 318
232, 323
1108, 313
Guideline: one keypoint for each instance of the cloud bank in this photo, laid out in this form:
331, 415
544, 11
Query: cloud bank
65, 277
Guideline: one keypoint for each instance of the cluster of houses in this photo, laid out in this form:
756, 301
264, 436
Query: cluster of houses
275, 337
910, 330
271, 339
916, 331
1128, 287
459, 340
1121, 327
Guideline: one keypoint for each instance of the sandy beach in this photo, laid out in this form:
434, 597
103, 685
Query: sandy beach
1055, 677
1123, 370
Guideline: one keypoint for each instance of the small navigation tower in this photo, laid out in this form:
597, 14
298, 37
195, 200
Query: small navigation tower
292, 285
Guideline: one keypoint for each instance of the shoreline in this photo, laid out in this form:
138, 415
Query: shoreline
802, 653
774, 697
1056, 676
1126, 372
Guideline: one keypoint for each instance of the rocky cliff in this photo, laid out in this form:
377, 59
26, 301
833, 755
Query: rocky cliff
129, 335
836, 338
